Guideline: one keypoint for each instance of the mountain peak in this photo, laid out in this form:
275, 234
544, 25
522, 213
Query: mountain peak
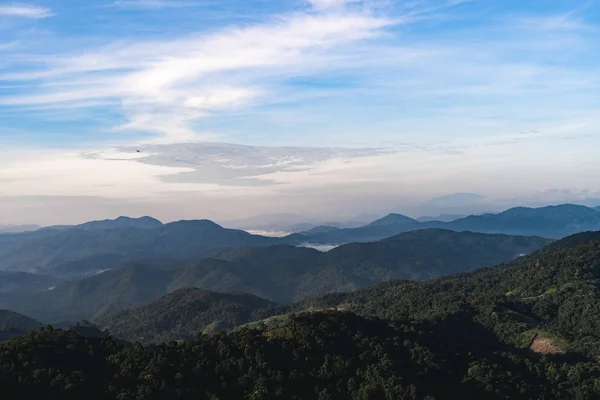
204, 223
393, 219
122, 222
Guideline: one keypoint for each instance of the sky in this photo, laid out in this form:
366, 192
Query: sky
225, 109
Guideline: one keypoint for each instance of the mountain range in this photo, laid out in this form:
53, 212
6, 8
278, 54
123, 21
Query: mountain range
281, 273
521, 330
128, 239
551, 222
101, 245
282, 223
548, 300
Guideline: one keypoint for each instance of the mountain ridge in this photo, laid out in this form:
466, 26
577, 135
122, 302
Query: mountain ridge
281, 273
551, 221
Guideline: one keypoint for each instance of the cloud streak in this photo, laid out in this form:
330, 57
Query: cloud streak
164, 86
152, 4
24, 11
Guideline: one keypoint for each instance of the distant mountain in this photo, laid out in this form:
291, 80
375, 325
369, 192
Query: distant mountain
125, 238
552, 222
292, 223
184, 314
320, 229
85, 267
280, 273
91, 298
22, 282
269, 220
121, 223
18, 228
441, 217
393, 219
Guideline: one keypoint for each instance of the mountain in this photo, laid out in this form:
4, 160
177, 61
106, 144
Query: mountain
13, 324
524, 330
552, 222
22, 282
121, 223
548, 301
441, 217
415, 255
281, 223
18, 228
319, 229
184, 314
85, 267
269, 220
281, 273
124, 238
393, 219
92, 298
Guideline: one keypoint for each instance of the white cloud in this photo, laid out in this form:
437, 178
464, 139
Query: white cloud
164, 86
327, 4
151, 4
24, 11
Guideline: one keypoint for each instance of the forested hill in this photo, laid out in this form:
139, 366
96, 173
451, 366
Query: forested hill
333, 355
550, 297
280, 273
184, 314
13, 324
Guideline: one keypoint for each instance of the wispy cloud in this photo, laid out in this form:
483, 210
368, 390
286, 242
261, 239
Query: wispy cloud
6, 46
164, 86
324, 4
24, 11
152, 4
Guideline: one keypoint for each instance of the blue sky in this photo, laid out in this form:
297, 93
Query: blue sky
320, 106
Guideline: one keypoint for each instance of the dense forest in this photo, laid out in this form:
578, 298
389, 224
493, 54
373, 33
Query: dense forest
551, 295
331, 355
185, 313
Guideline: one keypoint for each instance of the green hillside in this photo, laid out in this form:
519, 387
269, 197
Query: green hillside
552, 294
184, 314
